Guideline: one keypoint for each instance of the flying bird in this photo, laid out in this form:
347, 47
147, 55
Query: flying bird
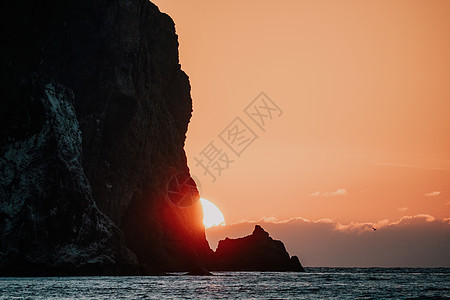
374, 229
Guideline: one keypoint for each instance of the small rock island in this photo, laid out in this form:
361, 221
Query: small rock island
255, 252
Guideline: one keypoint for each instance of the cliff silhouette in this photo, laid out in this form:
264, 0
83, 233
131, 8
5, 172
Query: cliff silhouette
94, 114
255, 252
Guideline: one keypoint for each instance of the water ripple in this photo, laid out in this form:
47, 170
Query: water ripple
316, 283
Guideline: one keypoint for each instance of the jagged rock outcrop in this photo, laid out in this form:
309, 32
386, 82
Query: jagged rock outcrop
256, 252
94, 111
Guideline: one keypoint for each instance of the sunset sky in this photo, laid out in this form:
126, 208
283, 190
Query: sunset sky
360, 91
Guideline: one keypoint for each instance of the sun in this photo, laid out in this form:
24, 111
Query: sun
212, 216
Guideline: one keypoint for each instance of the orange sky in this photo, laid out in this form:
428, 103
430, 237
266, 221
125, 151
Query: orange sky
365, 93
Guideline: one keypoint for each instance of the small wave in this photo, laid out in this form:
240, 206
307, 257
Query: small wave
424, 297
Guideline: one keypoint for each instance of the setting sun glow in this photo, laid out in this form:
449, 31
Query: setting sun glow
212, 216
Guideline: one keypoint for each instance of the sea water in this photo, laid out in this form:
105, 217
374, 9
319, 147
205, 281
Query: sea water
315, 283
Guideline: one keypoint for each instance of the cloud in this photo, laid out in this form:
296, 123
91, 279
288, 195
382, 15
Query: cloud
413, 166
407, 220
417, 241
315, 194
338, 192
432, 194
402, 209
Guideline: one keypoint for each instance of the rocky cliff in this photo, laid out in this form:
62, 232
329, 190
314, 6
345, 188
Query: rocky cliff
93, 176
94, 112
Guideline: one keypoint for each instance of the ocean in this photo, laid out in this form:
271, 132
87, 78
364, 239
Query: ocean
315, 283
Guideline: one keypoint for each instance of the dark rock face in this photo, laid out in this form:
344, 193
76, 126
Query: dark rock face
49, 220
94, 111
256, 252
